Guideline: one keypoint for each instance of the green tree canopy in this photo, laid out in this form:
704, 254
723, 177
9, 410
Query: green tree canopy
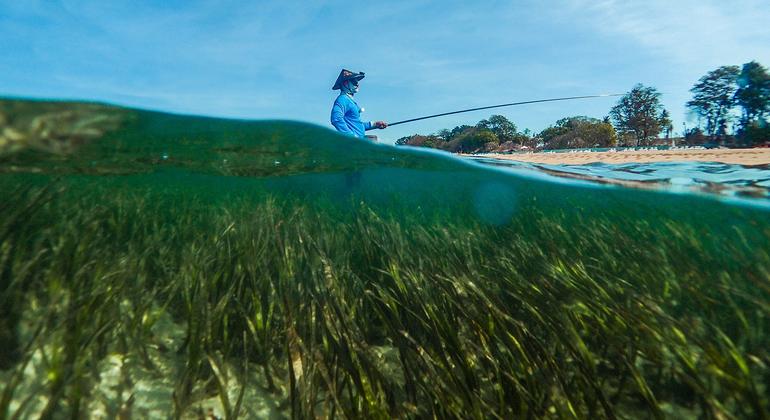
639, 112
472, 139
457, 130
420, 141
665, 123
580, 131
504, 129
496, 133
444, 134
753, 93
713, 98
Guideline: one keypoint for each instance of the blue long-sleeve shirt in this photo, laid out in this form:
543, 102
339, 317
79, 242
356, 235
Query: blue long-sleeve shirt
346, 117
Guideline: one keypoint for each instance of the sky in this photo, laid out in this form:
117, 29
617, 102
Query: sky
278, 59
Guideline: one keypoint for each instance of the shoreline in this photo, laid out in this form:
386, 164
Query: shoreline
748, 157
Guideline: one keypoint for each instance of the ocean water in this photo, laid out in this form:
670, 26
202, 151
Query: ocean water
737, 184
157, 265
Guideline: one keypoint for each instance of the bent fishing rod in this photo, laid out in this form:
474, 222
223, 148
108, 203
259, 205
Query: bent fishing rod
569, 98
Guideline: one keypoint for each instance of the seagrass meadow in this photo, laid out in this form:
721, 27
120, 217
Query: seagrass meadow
156, 266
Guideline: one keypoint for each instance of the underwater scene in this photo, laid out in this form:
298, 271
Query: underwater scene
163, 266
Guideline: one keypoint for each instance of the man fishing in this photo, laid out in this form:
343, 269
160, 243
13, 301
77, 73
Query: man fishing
346, 114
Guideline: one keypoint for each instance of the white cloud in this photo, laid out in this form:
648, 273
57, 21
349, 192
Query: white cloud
704, 33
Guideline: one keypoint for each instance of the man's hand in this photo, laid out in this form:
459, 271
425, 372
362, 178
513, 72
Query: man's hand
380, 124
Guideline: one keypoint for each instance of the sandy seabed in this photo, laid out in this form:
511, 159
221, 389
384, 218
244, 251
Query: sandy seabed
758, 156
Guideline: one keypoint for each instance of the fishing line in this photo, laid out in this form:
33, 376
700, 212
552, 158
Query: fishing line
502, 105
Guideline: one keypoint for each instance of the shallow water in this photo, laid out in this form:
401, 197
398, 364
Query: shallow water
747, 185
170, 263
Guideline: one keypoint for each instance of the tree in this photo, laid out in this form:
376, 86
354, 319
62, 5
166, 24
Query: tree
695, 137
713, 98
756, 132
753, 93
520, 139
418, 140
639, 112
478, 140
471, 139
457, 130
560, 128
444, 134
576, 132
665, 123
504, 129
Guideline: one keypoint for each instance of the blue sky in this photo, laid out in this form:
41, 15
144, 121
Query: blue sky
278, 59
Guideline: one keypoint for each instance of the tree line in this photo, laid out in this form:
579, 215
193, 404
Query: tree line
732, 96
731, 103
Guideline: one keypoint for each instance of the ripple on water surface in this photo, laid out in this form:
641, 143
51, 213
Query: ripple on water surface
734, 183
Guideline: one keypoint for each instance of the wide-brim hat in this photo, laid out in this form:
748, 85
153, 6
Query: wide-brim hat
346, 75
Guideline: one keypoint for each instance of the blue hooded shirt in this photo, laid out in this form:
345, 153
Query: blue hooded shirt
346, 117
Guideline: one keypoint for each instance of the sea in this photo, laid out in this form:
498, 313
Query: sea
737, 184
717, 217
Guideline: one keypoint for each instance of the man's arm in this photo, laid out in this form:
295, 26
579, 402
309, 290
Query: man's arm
375, 124
338, 119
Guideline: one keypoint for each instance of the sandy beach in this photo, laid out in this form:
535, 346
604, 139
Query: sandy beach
760, 156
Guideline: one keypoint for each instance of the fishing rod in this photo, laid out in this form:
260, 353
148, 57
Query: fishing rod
502, 105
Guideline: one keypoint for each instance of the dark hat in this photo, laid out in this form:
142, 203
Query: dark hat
346, 75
